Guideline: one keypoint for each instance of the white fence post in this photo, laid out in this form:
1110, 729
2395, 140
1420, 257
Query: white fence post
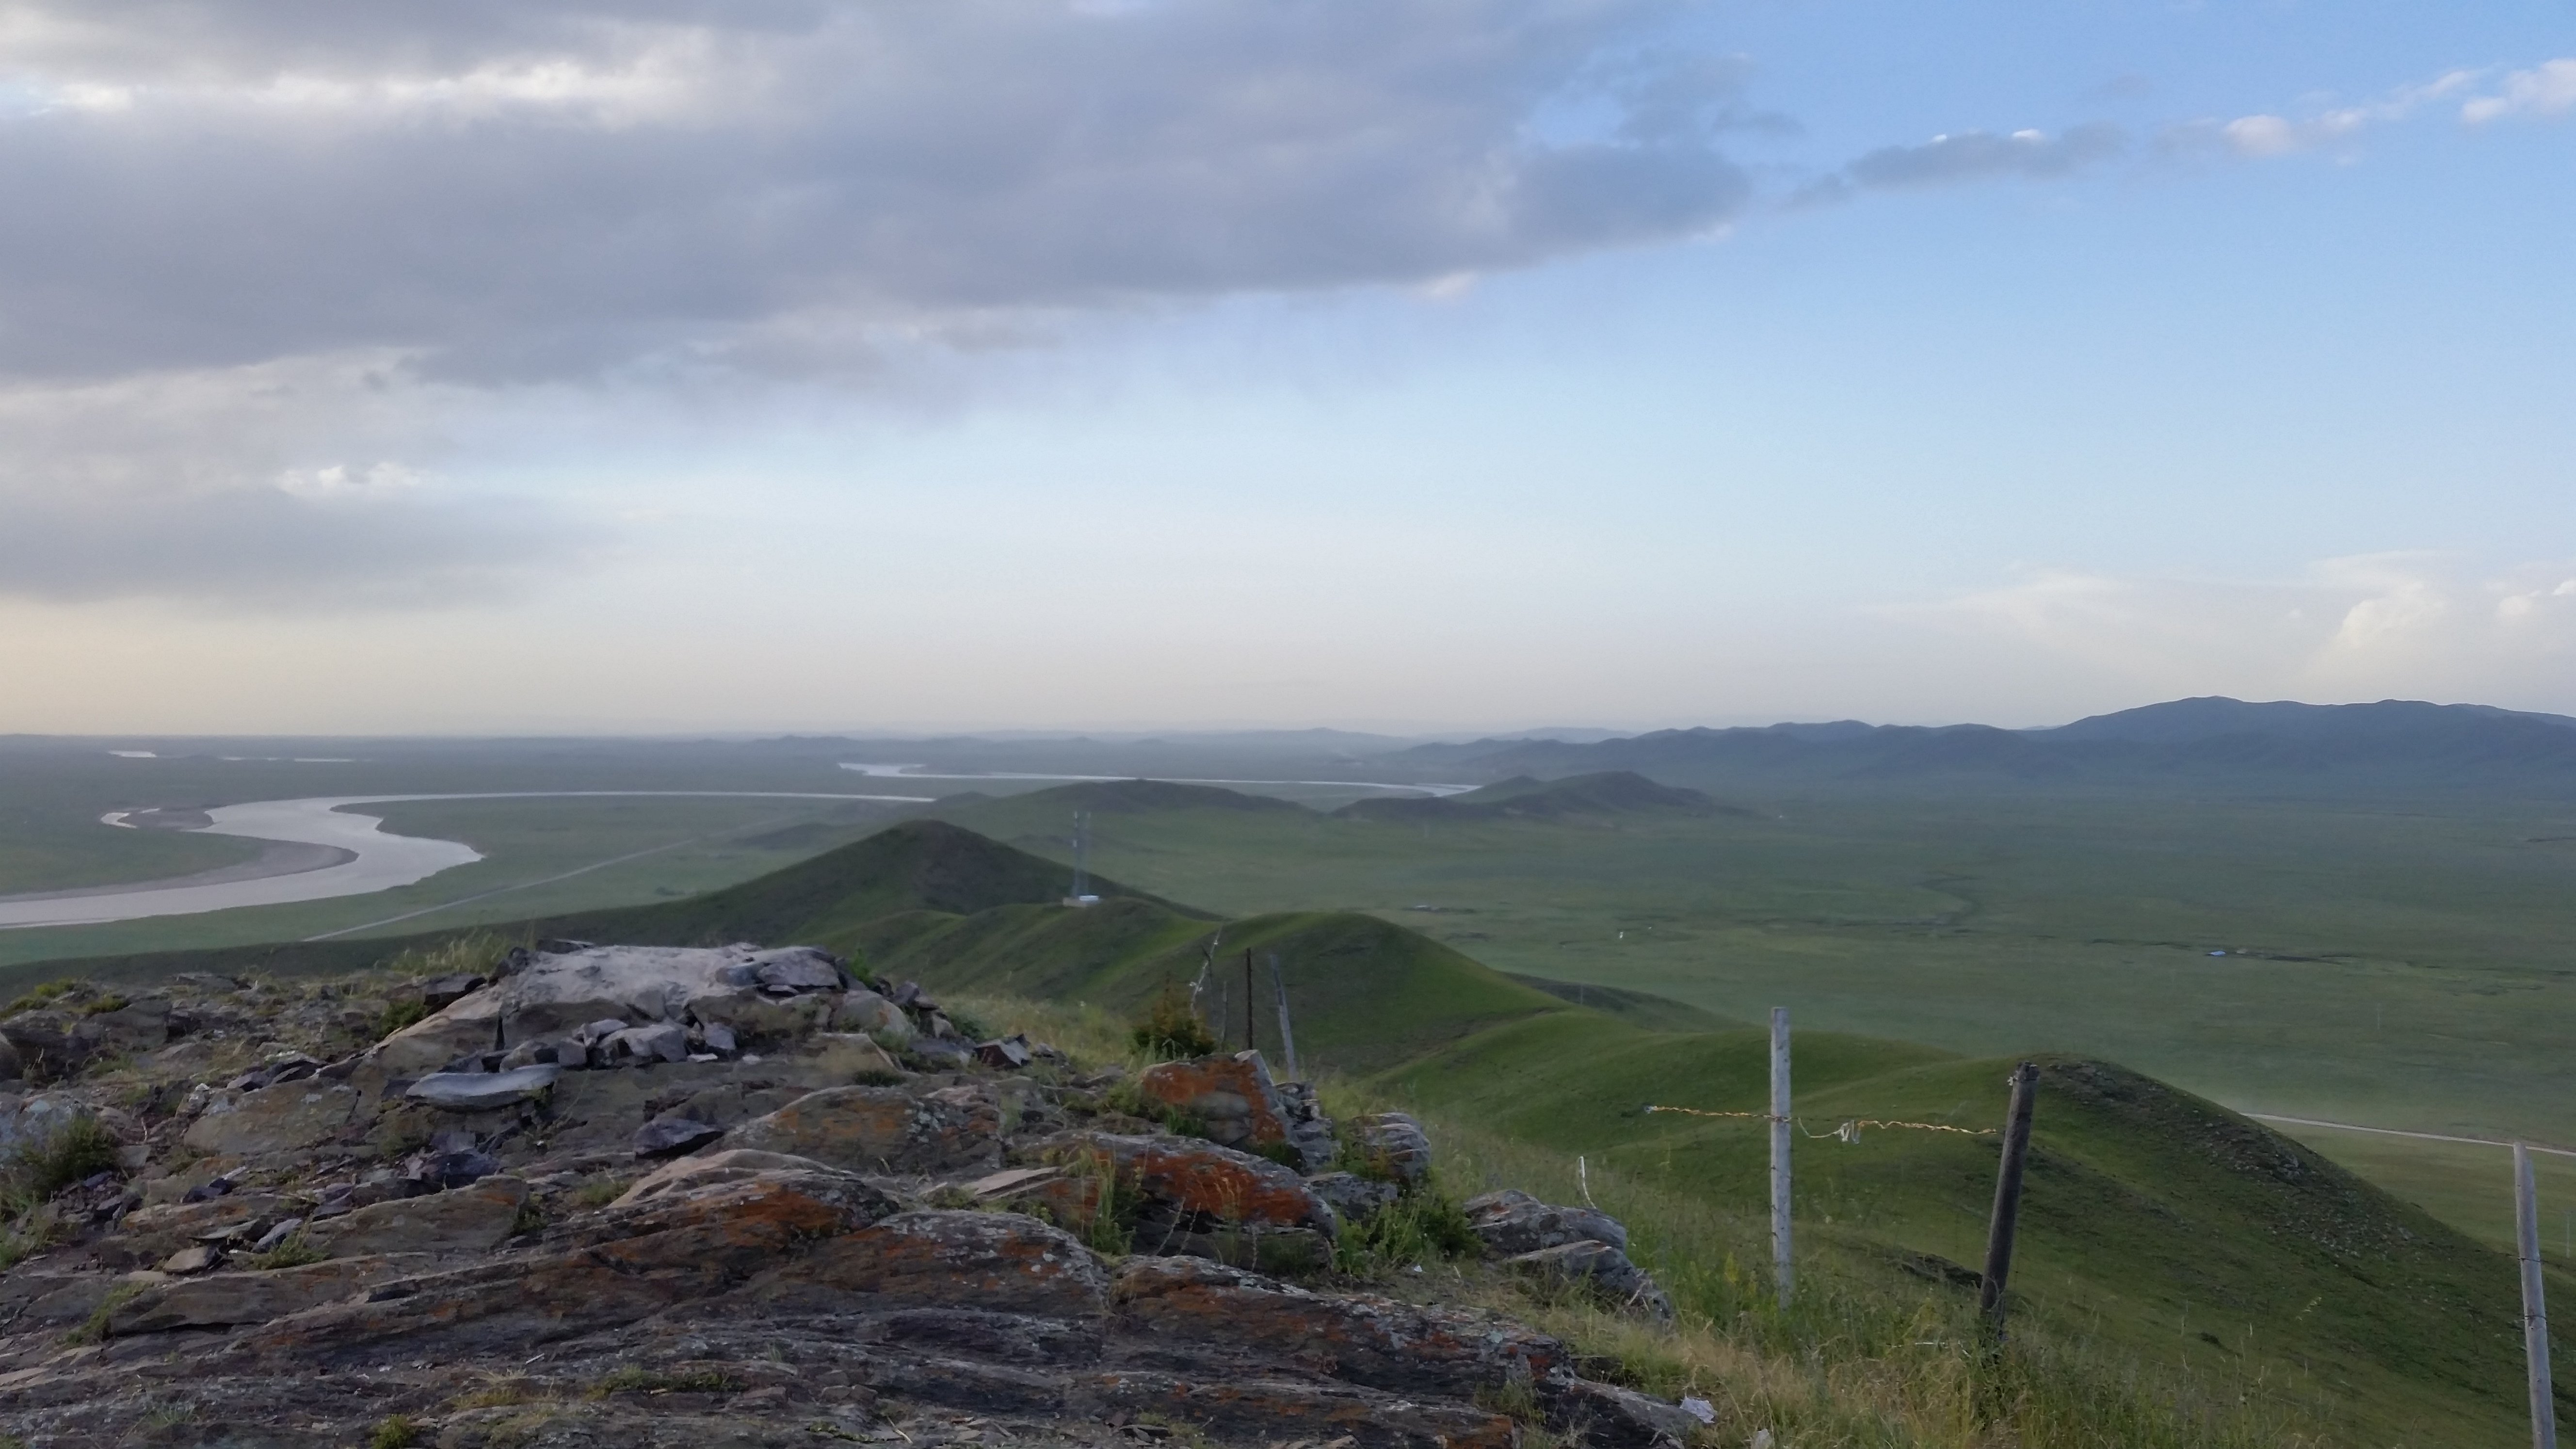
2535, 1314
1780, 1149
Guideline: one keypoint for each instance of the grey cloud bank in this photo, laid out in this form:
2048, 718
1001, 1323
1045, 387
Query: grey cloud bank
507, 193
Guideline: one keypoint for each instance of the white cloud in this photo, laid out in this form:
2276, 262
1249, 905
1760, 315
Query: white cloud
2263, 136
2417, 625
2547, 89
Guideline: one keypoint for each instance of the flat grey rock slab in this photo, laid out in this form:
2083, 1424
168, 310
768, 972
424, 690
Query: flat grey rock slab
482, 1091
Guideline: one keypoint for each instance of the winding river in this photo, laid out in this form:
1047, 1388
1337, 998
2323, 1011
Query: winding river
320, 849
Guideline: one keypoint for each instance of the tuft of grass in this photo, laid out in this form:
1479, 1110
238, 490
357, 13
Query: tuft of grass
94, 1328
394, 1431
44, 995
634, 1379
400, 1014
599, 1191
499, 1393
80, 1148
293, 1252
103, 1005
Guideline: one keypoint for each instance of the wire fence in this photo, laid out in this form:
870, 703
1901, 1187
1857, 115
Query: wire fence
1849, 1131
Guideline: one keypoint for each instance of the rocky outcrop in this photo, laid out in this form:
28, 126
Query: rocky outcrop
794, 1231
1582, 1247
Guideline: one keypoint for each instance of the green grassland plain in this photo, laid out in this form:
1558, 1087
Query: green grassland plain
2407, 964
2403, 965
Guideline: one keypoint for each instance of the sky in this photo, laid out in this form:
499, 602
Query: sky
1414, 365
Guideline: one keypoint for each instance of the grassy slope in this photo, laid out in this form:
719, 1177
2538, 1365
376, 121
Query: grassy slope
2157, 1222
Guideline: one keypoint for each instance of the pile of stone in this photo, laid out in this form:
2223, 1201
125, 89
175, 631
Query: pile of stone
644, 1195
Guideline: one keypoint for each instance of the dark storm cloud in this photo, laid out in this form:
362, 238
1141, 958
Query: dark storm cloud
515, 191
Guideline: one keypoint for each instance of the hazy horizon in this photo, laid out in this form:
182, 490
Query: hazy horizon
604, 367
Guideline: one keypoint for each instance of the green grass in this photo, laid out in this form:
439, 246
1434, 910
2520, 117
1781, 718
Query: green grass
2157, 1224
2417, 962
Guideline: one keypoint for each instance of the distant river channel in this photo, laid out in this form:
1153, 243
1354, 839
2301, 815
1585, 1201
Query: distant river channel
318, 849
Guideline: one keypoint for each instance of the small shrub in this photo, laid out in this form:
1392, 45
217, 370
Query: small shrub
598, 1192
968, 1024
1169, 1029
394, 1431
1420, 1227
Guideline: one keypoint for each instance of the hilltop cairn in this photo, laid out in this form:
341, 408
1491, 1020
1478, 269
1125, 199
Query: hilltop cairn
651, 1196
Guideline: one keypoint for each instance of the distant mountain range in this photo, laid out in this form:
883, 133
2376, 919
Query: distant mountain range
2401, 744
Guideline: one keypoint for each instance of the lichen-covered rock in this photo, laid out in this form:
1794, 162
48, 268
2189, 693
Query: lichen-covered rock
883, 1129
1231, 1096
1511, 1223
1003, 1262
1204, 1180
1366, 1339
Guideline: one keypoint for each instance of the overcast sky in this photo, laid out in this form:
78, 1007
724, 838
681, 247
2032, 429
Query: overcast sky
673, 364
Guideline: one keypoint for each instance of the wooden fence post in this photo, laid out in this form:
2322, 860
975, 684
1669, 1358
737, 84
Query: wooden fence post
2535, 1313
1780, 1150
1999, 1229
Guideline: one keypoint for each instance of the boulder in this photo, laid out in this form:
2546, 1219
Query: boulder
1512, 1223
284, 1118
1601, 1268
483, 1091
850, 1056
999, 1262
663, 1041
462, 1220
1605, 1416
864, 1010
1394, 1146
884, 1129
1203, 1180
665, 1136
555, 993
1231, 1096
